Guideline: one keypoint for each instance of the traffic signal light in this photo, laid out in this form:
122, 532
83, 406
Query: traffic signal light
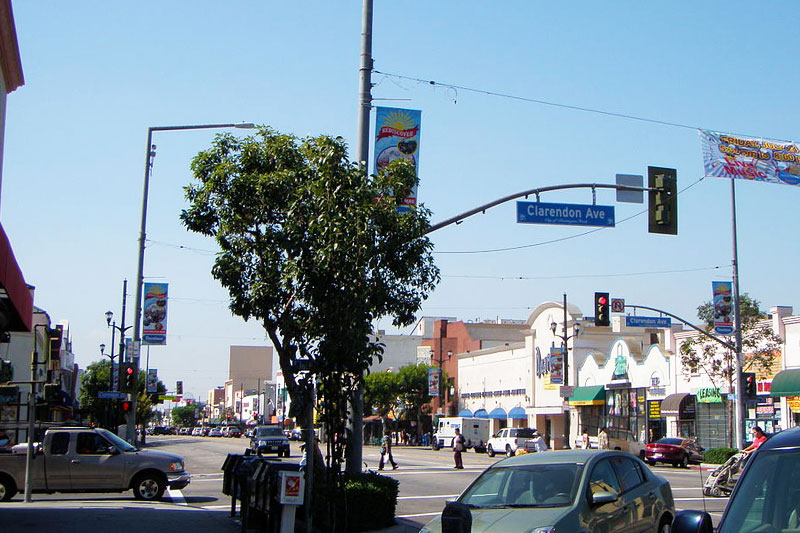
126, 407
662, 200
179, 387
127, 378
602, 316
749, 379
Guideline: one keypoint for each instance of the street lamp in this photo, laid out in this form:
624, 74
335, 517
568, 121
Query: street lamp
150, 153
576, 328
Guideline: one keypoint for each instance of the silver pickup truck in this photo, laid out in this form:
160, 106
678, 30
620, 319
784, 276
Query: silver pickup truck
79, 459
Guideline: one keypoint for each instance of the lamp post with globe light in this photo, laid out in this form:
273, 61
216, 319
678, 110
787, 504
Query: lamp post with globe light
576, 328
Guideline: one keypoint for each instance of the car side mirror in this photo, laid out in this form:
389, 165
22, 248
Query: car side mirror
692, 522
602, 498
112, 450
456, 518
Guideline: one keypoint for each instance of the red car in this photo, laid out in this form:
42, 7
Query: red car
676, 451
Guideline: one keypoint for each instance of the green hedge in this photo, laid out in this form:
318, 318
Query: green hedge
718, 456
369, 503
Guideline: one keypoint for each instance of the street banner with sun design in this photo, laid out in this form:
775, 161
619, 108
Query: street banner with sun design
397, 136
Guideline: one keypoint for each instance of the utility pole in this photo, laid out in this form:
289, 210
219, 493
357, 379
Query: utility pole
354, 449
739, 406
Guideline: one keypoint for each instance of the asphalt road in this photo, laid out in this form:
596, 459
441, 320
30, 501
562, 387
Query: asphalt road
427, 479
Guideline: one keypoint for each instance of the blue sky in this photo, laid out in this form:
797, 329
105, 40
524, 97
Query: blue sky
98, 75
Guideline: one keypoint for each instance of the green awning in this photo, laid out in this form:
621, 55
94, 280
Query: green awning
786, 383
594, 395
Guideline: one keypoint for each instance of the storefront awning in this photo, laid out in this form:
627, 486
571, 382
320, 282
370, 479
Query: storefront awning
672, 405
594, 395
465, 412
517, 413
498, 414
481, 413
786, 383
16, 301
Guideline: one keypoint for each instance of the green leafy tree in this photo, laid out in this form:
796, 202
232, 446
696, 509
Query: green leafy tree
760, 346
184, 416
382, 394
315, 250
414, 391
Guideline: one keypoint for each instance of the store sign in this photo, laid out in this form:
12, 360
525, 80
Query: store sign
793, 403
709, 395
654, 408
765, 410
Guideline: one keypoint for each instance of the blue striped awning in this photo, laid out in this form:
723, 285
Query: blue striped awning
465, 412
498, 413
481, 413
517, 413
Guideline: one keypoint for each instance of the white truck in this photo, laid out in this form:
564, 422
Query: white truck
475, 431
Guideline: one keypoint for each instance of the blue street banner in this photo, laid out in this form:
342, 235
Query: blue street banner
152, 380
154, 319
397, 137
750, 158
433, 381
723, 307
557, 365
648, 321
565, 214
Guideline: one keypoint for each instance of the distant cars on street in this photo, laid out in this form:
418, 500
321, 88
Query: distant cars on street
676, 451
577, 490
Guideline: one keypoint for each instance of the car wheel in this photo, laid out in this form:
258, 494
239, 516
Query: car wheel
665, 526
149, 486
7, 488
436, 446
286, 452
490, 451
509, 453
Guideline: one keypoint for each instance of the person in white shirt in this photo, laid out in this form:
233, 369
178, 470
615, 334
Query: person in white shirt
539, 444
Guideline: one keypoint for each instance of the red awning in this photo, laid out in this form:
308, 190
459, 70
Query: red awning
16, 301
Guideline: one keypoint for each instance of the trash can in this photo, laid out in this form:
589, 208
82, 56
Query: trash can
242, 478
265, 510
228, 466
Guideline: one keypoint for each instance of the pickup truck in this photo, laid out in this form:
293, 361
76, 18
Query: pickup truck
80, 459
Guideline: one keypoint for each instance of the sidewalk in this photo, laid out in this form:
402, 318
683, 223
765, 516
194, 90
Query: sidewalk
124, 515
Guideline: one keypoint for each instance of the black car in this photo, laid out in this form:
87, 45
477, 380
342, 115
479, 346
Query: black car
766, 497
162, 430
269, 439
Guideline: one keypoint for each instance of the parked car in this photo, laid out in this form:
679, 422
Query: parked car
162, 430
214, 432
270, 439
234, 432
185, 431
766, 496
80, 459
678, 452
578, 490
197, 432
507, 441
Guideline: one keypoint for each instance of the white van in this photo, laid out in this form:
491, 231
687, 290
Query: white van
475, 430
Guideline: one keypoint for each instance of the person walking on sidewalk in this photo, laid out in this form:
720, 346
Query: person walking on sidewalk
386, 450
458, 447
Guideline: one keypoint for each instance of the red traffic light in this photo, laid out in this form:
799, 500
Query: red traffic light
129, 370
602, 300
126, 406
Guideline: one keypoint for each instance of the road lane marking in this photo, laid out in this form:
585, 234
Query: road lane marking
177, 497
723, 498
427, 497
416, 515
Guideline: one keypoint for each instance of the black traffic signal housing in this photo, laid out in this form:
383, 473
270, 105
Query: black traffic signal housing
127, 377
662, 200
749, 380
179, 387
602, 315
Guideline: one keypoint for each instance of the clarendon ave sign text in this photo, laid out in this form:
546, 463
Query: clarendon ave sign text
565, 214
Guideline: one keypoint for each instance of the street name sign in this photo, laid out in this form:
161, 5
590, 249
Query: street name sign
565, 214
112, 395
648, 321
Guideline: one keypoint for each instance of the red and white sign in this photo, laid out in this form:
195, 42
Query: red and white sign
292, 488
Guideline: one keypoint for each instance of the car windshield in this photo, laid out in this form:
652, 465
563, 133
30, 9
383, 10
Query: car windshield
550, 485
768, 496
670, 440
116, 441
270, 432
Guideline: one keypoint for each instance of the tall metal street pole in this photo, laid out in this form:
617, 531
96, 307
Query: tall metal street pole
739, 409
567, 420
150, 152
32, 416
354, 450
